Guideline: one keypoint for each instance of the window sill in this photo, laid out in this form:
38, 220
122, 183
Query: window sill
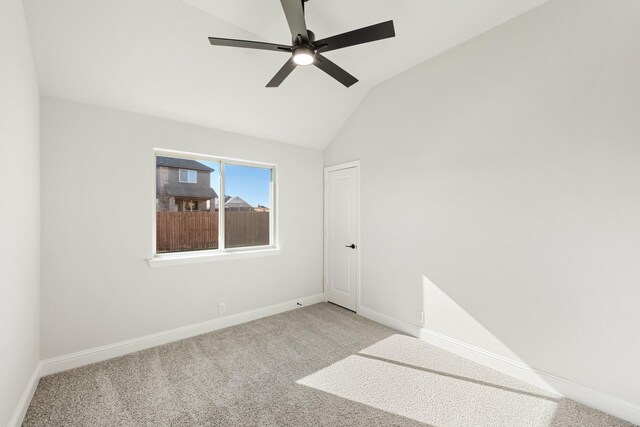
196, 258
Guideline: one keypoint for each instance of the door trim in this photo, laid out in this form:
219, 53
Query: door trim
327, 169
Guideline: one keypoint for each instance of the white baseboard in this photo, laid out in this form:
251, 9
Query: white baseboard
392, 322
572, 390
99, 354
25, 399
511, 367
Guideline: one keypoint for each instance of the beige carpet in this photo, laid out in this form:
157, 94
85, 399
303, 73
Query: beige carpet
316, 366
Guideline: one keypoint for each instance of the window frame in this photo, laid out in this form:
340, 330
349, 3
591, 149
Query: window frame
195, 174
170, 258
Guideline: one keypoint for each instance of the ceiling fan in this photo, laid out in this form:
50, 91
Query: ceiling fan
306, 50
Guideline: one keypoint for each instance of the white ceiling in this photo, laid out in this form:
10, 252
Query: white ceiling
153, 57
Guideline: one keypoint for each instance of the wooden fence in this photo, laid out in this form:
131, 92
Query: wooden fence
187, 231
246, 229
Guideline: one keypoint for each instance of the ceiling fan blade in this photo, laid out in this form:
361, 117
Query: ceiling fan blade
334, 71
294, 11
216, 41
282, 74
384, 30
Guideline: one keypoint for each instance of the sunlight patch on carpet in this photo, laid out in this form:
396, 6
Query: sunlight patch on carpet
400, 377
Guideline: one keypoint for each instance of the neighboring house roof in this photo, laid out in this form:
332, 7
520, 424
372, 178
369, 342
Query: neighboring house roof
181, 164
177, 190
234, 202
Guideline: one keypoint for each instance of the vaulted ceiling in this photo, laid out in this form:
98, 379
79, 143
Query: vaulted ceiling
153, 57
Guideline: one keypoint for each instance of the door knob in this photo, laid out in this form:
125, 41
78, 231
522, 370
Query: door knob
352, 246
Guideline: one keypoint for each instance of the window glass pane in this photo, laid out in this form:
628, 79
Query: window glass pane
187, 175
247, 205
186, 199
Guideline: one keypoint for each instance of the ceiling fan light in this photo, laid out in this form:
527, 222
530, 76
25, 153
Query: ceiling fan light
303, 56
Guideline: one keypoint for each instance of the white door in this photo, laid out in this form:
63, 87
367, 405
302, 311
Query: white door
341, 234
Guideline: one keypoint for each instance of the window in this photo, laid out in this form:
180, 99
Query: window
188, 176
247, 205
229, 207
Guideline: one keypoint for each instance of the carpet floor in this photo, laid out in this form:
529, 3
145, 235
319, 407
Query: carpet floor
316, 366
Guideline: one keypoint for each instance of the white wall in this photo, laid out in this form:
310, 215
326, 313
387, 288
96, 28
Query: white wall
98, 187
19, 209
501, 190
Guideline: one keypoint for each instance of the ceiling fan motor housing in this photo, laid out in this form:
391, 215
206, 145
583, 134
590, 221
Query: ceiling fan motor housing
303, 52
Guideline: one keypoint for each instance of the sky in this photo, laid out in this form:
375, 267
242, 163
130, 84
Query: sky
250, 183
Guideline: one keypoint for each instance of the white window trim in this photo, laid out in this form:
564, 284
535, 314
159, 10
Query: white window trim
220, 254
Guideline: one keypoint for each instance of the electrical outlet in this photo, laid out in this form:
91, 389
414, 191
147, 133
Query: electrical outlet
222, 307
420, 317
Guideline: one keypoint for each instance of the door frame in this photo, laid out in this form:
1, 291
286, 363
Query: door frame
349, 165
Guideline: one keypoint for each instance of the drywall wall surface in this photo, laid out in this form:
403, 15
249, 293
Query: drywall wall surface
98, 186
501, 192
19, 210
